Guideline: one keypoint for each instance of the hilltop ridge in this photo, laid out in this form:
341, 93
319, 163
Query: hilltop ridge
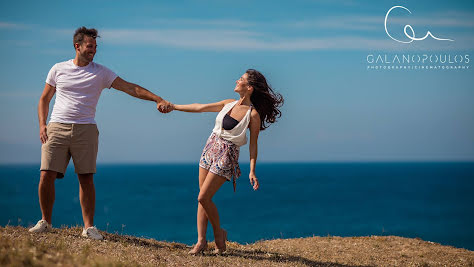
65, 246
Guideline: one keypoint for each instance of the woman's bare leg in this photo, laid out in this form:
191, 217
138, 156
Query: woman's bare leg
211, 184
201, 218
201, 213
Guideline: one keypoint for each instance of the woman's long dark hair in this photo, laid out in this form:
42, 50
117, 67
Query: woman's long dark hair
264, 99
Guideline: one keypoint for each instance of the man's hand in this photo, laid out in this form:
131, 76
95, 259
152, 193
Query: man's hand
43, 134
164, 106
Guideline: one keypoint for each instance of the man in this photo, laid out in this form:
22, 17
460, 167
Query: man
72, 130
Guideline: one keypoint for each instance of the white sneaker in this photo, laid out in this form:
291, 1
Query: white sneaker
92, 233
41, 227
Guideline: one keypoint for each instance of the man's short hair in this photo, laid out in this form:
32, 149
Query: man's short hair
80, 32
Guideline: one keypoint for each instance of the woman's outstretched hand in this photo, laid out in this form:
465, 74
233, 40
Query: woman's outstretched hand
253, 181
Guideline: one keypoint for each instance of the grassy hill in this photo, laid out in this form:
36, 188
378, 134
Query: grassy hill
66, 247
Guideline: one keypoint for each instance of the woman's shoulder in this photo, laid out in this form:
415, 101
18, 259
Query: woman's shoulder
254, 114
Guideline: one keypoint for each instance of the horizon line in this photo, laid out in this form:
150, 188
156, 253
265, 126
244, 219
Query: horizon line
264, 162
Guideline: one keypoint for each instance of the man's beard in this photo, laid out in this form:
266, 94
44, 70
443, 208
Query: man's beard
86, 58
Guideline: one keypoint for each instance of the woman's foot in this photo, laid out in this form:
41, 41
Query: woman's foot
198, 248
221, 246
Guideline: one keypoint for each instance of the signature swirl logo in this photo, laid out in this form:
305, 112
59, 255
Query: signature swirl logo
411, 35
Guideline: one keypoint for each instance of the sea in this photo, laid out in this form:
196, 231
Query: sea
433, 201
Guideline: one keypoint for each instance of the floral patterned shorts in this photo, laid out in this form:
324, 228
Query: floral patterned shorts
221, 157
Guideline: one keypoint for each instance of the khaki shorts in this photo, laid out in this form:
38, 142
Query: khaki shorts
65, 140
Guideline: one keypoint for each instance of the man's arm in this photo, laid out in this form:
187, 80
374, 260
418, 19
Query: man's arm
142, 93
43, 108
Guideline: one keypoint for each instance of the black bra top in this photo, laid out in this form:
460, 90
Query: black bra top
228, 123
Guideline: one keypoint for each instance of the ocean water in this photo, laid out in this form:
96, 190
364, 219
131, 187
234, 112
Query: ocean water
432, 201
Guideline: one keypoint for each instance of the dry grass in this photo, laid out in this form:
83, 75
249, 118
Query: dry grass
65, 247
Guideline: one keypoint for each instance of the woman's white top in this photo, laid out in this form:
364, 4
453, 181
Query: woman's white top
236, 135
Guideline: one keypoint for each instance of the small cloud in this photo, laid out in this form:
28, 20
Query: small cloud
371, 23
13, 26
19, 94
337, 33
214, 23
57, 52
237, 40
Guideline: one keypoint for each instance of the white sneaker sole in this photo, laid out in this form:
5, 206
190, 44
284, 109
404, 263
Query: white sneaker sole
34, 231
90, 237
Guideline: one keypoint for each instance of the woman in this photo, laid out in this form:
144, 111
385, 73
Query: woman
257, 106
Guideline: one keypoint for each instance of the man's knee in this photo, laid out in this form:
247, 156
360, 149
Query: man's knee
48, 176
86, 179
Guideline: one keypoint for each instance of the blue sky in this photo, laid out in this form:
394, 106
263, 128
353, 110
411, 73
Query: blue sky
313, 52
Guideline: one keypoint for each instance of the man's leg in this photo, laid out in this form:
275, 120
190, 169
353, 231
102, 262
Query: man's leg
54, 160
46, 194
84, 147
87, 197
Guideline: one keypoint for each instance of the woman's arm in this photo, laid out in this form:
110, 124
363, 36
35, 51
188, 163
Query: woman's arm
254, 131
211, 107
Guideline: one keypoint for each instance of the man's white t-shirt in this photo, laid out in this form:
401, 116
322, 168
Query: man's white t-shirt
78, 90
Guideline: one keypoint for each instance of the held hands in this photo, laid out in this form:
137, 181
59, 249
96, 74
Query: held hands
253, 181
43, 134
164, 106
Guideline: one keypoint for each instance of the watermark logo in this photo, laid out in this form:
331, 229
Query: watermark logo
432, 61
411, 35
422, 60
